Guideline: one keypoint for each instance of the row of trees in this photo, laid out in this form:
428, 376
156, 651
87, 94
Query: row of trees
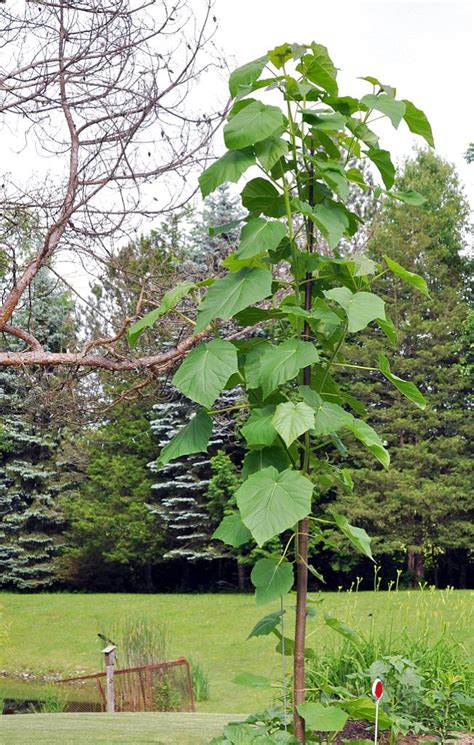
82, 505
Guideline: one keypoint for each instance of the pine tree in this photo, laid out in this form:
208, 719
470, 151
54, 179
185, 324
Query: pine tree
179, 492
35, 467
420, 508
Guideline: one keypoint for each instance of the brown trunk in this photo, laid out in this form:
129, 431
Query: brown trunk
241, 576
303, 525
416, 566
300, 628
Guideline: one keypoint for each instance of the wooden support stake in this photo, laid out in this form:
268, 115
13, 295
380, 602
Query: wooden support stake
109, 653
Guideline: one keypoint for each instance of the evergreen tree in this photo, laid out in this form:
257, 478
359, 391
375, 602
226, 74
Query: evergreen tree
214, 234
421, 507
113, 541
179, 493
36, 466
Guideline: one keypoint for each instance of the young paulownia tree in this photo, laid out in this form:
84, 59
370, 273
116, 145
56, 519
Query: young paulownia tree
283, 273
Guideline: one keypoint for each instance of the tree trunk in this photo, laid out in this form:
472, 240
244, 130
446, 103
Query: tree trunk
241, 576
416, 566
300, 628
303, 525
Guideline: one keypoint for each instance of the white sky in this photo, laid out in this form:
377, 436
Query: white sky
422, 47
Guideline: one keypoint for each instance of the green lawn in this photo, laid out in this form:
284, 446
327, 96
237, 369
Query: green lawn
105, 729
57, 632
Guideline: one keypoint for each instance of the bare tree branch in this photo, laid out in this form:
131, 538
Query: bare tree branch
159, 362
106, 90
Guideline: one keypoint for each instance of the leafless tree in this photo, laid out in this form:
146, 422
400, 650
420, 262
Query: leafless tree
105, 89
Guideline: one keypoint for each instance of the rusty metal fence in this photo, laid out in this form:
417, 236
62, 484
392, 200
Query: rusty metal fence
163, 686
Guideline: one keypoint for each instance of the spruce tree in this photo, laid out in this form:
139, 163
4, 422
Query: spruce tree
179, 493
35, 467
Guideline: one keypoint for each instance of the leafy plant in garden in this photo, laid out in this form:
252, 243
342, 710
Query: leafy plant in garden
422, 694
287, 268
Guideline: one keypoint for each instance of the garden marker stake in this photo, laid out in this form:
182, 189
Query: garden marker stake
294, 280
377, 693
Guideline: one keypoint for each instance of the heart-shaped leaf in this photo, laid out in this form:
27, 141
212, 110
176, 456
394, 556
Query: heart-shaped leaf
233, 293
205, 371
292, 419
271, 580
270, 501
323, 718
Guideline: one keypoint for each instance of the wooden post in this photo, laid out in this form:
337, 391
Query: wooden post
109, 653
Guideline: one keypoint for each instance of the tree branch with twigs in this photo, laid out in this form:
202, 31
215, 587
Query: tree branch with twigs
106, 90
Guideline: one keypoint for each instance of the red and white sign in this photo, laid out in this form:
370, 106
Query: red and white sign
377, 689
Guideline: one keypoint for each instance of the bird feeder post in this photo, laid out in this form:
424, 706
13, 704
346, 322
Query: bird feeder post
109, 654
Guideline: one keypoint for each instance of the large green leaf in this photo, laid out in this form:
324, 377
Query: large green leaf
270, 502
408, 197
292, 420
271, 580
329, 418
325, 122
363, 265
259, 430
268, 456
170, 300
259, 195
259, 236
192, 438
343, 630
323, 718
321, 70
369, 437
361, 307
388, 105
205, 371
417, 122
383, 161
362, 132
233, 293
267, 624
270, 151
389, 329
321, 318
410, 277
232, 531
364, 708
278, 364
254, 123
404, 386
228, 168
246, 75
332, 221
357, 536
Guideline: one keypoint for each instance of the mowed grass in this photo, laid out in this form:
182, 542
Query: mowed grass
108, 729
58, 632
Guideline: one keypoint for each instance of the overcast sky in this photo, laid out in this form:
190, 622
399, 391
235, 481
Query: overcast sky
423, 48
